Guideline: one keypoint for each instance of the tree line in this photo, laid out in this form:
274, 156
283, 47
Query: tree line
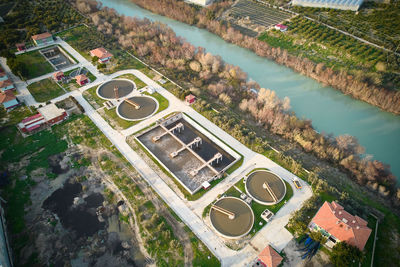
362, 88
159, 46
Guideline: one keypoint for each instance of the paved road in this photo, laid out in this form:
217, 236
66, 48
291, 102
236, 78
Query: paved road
273, 233
191, 212
24, 94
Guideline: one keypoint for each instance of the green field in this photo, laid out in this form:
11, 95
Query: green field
321, 44
259, 208
45, 90
35, 64
377, 22
91, 96
139, 83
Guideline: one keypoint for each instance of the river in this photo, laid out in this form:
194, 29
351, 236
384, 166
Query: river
330, 110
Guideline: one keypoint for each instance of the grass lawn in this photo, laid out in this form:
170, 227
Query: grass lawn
45, 90
111, 114
83, 39
139, 83
91, 96
256, 207
368, 247
35, 63
75, 38
201, 252
91, 77
163, 103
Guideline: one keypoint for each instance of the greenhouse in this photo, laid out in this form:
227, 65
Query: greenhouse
337, 4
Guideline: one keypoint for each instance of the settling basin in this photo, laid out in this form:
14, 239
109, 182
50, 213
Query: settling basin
256, 189
146, 107
182, 165
330, 110
106, 90
236, 227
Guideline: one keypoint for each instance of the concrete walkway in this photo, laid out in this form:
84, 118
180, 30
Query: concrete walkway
189, 211
273, 233
21, 86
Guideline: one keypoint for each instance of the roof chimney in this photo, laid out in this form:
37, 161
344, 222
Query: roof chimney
357, 227
354, 221
340, 212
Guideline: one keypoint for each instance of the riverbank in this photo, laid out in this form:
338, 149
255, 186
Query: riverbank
387, 100
214, 77
375, 130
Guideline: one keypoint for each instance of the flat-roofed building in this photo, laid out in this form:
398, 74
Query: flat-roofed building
47, 116
200, 2
52, 114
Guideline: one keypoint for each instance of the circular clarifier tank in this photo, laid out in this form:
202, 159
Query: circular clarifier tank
115, 89
265, 187
231, 217
137, 108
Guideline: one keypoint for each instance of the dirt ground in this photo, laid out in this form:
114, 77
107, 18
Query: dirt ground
293, 257
71, 223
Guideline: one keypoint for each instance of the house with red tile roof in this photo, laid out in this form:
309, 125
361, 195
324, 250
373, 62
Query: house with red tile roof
42, 39
340, 226
59, 75
6, 85
21, 46
103, 55
8, 100
190, 99
81, 79
281, 27
269, 257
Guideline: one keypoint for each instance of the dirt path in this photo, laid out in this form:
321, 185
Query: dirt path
132, 223
177, 227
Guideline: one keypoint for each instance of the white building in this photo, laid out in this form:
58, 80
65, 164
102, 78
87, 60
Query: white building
200, 2
353, 5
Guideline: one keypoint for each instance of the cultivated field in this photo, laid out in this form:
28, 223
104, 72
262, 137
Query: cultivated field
257, 13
